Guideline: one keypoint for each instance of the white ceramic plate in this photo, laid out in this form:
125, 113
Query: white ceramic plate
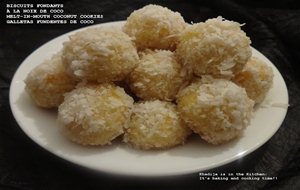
41, 126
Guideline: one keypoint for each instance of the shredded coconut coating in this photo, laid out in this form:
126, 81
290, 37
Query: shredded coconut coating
154, 27
256, 78
94, 114
158, 76
101, 54
155, 125
48, 82
216, 109
216, 47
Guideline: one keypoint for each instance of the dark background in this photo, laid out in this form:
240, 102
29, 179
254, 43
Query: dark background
274, 28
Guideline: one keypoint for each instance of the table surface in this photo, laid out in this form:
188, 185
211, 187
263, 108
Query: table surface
274, 30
